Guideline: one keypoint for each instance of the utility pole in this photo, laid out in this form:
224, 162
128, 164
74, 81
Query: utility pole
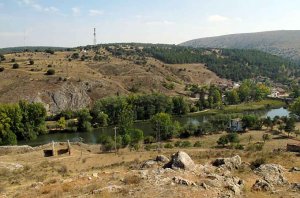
115, 128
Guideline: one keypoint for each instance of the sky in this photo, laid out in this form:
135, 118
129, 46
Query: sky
70, 23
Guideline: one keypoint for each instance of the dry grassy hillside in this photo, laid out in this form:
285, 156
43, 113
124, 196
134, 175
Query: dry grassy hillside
78, 83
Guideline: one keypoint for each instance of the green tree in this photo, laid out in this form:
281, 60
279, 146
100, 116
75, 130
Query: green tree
289, 125
164, 126
232, 97
84, 120
101, 119
295, 107
268, 122
180, 105
61, 123
223, 140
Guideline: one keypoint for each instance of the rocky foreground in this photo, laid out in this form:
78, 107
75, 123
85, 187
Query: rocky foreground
178, 176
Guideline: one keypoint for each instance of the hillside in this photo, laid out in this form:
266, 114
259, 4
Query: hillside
282, 43
81, 77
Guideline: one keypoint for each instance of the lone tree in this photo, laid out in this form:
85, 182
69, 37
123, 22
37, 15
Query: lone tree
15, 66
50, 72
31, 62
289, 125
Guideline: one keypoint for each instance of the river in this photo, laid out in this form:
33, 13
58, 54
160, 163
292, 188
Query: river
92, 137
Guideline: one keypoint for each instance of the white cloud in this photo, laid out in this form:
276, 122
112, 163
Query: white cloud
95, 12
76, 11
163, 22
37, 6
217, 18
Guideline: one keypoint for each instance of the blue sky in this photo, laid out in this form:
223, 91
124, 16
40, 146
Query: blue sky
71, 22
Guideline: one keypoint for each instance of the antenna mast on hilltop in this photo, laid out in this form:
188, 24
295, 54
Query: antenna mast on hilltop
95, 39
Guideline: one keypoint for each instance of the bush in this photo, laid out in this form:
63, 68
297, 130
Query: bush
13, 60
258, 162
255, 147
75, 56
186, 144
149, 147
239, 147
149, 139
31, 62
168, 145
178, 144
1, 69
50, 72
49, 51
198, 144
16, 66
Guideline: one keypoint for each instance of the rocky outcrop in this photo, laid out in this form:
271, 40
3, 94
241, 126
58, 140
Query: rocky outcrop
182, 181
181, 160
234, 184
272, 173
262, 185
295, 186
68, 96
229, 163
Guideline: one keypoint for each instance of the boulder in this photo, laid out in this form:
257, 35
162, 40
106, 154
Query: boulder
295, 169
234, 184
272, 173
162, 158
181, 160
295, 186
230, 163
262, 185
149, 164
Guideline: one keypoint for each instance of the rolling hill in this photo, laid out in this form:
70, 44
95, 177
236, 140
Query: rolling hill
285, 43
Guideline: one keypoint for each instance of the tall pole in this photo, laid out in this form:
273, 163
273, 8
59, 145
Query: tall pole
95, 39
115, 128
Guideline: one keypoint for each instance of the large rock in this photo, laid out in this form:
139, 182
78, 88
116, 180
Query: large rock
234, 184
181, 160
272, 173
229, 163
149, 164
295, 186
162, 158
262, 185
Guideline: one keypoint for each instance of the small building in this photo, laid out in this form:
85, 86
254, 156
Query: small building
236, 125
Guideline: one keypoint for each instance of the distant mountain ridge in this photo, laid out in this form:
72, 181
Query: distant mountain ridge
285, 43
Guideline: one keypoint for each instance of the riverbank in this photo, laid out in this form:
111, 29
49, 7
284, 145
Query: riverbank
243, 107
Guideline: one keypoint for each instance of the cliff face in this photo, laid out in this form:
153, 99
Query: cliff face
68, 96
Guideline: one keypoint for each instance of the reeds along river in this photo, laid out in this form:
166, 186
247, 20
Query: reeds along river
92, 137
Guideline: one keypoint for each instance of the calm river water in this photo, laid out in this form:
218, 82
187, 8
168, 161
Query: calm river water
92, 137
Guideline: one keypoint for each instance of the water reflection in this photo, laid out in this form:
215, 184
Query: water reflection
92, 137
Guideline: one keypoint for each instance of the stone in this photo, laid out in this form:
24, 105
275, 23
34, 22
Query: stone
149, 164
272, 173
95, 175
181, 160
295, 169
111, 189
162, 158
230, 163
295, 186
262, 185
182, 181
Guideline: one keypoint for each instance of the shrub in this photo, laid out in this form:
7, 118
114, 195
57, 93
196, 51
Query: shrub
149, 139
75, 56
50, 72
223, 140
266, 137
186, 144
178, 144
1, 69
198, 144
258, 162
239, 146
168, 145
13, 60
31, 62
49, 51
255, 147
16, 66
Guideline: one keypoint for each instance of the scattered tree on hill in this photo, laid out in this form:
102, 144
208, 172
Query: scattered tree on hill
295, 107
15, 66
50, 72
1, 69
